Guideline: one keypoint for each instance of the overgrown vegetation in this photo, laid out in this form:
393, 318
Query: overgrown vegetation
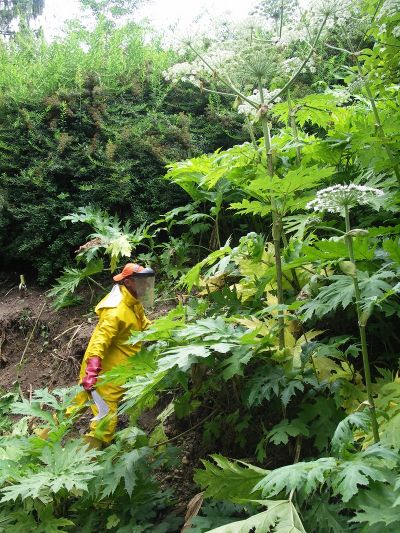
89, 119
285, 347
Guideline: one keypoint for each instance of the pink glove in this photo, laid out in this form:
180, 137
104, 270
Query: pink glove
93, 366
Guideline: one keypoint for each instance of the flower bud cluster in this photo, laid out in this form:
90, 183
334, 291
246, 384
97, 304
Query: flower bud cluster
247, 109
195, 71
290, 65
396, 32
336, 198
390, 8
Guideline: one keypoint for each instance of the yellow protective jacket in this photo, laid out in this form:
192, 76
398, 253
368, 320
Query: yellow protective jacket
119, 313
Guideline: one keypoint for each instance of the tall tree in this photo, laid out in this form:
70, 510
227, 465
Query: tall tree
11, 10
113, 8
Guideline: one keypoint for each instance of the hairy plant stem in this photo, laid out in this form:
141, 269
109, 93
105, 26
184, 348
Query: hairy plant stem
293, 125
362, 326
378, 123
252, 136
276, 225
281, 19
295, 283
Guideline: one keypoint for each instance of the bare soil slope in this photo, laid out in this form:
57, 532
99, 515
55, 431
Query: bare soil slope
39, 346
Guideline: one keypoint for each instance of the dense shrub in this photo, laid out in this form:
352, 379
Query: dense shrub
90, 120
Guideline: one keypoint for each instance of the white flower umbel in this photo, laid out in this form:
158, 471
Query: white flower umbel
248, 109
390, 8
337, 198
196, 71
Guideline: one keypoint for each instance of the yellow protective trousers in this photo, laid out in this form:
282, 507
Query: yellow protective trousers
119, 313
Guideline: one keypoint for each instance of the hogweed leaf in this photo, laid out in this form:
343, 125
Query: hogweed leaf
182, 356
343, 436
377, 505
359, 470
326, 517
281, 432
68, 468
281, 517
290, 389
305, 476
232, 480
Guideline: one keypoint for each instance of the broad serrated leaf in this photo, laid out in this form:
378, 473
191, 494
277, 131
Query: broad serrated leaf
353, 474
141, 391
234, 365
265, 385
324, 517
228, 480
251, 207
281, 517
281, 432
290, 391
305, 476
125, 468
393, 249
343, 436
182, 356
376, 505
68, 467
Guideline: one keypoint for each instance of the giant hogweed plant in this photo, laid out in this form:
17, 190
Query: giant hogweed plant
110, 239
255, 66
52, 482
255, 63
198, 346
340, 199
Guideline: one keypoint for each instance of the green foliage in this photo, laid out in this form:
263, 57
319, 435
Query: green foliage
227, 480
65, 468
281, 516
343, 476
67, 283
100, 127
96, 127
378, 506
6, 400
280, 433
24, 10
341, 292
48, 479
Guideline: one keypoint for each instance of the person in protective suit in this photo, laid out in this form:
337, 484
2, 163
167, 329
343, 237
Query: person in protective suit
120, 312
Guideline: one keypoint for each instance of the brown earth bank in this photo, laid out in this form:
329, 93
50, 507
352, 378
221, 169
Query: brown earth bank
39, 346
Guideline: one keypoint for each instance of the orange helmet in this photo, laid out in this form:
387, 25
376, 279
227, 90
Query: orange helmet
133, 269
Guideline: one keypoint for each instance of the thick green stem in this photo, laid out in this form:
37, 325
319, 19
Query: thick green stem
217, 230
276, 226
363, 336
281, 19
295, 283
378, 123
293, 125
252, 136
